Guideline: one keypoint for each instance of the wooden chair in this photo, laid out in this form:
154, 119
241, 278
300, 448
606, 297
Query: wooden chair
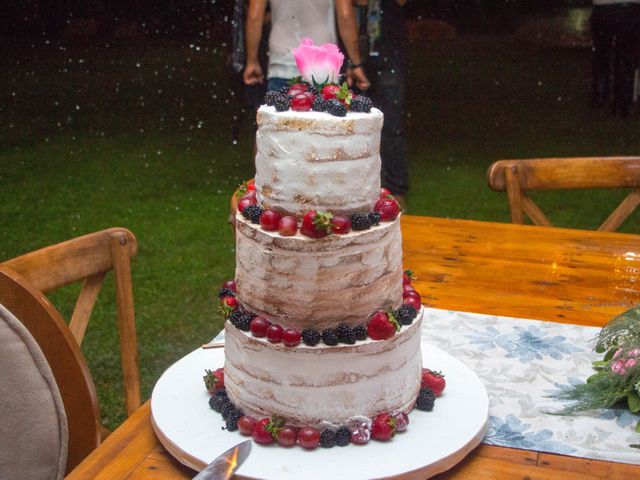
88, 259
64, 357
516, 177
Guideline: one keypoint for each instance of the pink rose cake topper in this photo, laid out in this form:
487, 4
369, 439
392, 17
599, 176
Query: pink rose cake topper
318, 63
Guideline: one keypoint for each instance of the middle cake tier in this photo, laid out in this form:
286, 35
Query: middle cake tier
302, 282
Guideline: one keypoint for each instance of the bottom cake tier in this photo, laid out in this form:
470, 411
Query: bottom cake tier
323, 384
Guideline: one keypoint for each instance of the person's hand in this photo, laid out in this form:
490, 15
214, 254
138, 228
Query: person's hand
252, 74
358, 77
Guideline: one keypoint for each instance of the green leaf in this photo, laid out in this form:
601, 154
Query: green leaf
634, 402
609, 354
638, 426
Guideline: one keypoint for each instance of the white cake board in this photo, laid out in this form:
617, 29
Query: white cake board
434, 442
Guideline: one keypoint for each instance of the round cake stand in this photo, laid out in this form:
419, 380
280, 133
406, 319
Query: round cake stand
434, 442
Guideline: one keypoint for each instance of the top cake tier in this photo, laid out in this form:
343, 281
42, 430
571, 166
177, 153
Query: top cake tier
316, 161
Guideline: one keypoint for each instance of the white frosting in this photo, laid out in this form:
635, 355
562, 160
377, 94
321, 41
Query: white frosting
313, 160
313, 385
303, 282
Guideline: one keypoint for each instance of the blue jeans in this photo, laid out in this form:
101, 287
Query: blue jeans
276, 83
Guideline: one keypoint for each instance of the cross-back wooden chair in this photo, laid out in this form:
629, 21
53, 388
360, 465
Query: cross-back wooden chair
65, 359
516, 177
88, 259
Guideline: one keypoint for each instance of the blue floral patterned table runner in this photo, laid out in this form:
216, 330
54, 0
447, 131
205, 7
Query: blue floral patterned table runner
521, 363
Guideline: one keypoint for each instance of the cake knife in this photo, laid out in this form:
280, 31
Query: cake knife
226, 464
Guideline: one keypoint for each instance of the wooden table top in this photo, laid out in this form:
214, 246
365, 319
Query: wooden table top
553, 274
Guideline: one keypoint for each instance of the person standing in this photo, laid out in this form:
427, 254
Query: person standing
383, 22
291, 21
615, 29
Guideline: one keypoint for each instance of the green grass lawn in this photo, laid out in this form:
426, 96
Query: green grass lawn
139, 136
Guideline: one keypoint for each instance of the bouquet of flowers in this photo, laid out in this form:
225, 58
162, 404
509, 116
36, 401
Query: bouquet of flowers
617, 377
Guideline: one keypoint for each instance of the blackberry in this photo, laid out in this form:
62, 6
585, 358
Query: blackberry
426, 400
328, 438
253, 213
244, 320
329, 337
284, 90
219, 400
360, 331
319, 104
405, 314
374, 218
228, 409
335, 108
345, 334
270, 97
282, 102
343, 437
359, 221
234, 317
226, 292
361, 104
232, 420
310, 337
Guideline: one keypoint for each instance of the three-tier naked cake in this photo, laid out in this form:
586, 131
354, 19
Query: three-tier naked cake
320, 331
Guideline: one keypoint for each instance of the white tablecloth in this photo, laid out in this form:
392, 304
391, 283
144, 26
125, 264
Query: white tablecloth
521, 363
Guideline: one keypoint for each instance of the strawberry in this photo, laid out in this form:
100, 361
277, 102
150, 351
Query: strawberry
260, 434
214, 381
383, 427
433, 380
267, 430
316, 224
329, 91
251, 185
297, 85
228, 305
388, 208
407, 276
384, 192
382, 325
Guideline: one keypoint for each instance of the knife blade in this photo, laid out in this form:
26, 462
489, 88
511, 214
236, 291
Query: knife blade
226, 464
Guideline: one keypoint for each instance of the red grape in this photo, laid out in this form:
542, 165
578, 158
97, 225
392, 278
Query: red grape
340, 224
245, 424
269, 220
288, 226
274, 333
258, 326
291, 337
288, 436
309, 437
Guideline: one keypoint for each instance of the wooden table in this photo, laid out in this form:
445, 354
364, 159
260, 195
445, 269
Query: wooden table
559, 275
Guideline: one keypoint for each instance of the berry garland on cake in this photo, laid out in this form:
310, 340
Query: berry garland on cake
315, 224
358, 430
330, 98
380, 325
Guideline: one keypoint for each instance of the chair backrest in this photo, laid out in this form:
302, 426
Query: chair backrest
88, 259
516, 177
64, 357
